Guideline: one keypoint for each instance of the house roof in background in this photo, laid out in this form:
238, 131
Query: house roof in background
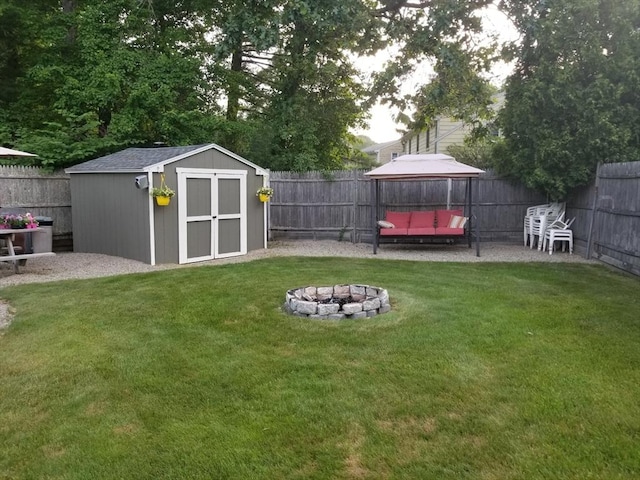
150, 159
432, 165
376, 147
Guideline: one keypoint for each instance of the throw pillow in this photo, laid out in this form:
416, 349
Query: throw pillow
385, 224
457, 222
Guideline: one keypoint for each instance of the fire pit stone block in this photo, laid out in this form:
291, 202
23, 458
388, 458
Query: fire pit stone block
337, 302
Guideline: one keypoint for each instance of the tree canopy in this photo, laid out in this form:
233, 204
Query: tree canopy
574, 98
273, 80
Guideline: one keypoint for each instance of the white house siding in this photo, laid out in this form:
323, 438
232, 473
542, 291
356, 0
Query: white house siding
437, 139
384, 152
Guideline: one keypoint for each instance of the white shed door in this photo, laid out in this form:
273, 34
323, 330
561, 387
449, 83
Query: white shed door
212, 213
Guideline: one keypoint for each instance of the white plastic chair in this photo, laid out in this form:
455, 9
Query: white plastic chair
559, 231
538, 226
531, 212
542, 219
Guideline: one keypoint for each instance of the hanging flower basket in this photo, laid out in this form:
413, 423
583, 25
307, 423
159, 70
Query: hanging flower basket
162, 200
264, 194
163, 193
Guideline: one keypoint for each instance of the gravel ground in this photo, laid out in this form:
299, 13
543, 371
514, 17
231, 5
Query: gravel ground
89, 265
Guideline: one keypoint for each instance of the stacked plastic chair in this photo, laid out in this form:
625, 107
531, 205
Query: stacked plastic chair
558, 231
531, 212
542, 217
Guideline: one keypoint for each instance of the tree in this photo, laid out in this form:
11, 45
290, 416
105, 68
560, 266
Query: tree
574, 99
273, 80
313, 87
445, 34
105, 75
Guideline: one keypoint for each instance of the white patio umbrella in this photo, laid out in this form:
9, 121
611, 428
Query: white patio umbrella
8, 152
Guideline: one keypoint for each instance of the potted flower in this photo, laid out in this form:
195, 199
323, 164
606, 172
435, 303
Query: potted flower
162, 194
264, 193
17, 221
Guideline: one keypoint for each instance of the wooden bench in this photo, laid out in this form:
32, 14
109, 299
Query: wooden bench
23, 256
419, 226
9, 253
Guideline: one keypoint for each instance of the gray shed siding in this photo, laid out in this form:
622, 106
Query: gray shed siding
101, 225
166, 218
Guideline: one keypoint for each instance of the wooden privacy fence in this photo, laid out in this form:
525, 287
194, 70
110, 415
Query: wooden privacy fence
41, 193
613, 230
337, 205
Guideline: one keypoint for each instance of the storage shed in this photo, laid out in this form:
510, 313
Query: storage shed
215, 212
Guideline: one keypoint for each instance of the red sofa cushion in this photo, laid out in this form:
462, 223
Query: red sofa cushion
449, 231
422, 223
443, 217
392, 231
399, 219
422, 219
422, 231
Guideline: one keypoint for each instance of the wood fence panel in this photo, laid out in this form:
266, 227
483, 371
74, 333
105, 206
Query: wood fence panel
502, 207
312, 205
337, 205
334, 205
615, 238
46, 194
580, 207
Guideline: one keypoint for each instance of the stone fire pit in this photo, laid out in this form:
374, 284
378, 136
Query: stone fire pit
337, 302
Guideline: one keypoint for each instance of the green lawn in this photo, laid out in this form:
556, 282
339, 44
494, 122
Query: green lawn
481, 371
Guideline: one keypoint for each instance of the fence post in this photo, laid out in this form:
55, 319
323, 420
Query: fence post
355, 207
594, 205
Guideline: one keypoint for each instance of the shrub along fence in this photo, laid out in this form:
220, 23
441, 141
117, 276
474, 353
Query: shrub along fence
337, 205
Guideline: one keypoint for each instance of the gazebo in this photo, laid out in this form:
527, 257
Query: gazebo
422, 167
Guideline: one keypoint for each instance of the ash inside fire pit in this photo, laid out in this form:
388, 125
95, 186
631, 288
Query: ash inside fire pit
337, 302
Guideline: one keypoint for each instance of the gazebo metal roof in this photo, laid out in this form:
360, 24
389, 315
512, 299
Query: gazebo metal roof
420, 167
415, 167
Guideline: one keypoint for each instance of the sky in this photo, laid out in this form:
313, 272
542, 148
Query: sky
381, 127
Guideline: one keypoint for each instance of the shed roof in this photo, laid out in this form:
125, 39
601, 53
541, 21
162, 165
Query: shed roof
432, 165
150, 159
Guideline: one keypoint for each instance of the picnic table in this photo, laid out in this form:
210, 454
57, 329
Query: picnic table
8, 253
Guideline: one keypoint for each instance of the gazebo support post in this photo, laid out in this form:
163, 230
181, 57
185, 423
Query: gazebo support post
468, 207
374, 215
477, 222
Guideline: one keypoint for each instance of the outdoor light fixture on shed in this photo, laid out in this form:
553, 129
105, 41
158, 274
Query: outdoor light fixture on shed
142, 182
